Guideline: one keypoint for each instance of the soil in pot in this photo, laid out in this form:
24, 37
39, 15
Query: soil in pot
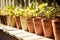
18, 22
38, 26
56, 29
30, 25
47, 28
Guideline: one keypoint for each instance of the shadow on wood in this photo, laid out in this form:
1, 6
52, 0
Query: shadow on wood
4, 36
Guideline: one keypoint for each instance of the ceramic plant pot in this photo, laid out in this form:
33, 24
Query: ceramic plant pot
30, 25
47, 28
38, 26
56, 29
18, 22
11, 21
24, 23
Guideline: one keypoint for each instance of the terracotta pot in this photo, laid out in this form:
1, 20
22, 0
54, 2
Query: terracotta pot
24, 23
47, 28
18, 22
3, 19
38, 26
30, 25
11, 21
56, 29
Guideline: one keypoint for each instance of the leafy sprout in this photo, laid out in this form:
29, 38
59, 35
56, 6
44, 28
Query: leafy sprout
8, 10
18, 12
50, 12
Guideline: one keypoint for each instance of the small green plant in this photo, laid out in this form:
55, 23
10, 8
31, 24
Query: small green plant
8, 10
41, 9
30, 11
42, 6
50, 12
17, 12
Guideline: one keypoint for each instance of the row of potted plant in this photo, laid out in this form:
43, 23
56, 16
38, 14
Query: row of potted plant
38, 20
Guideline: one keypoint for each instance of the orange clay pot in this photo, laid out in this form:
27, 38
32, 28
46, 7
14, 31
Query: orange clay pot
56, 29
47, 28
18, 22
30, 25
38, 26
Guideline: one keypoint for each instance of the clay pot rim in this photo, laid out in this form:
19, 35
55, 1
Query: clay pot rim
55, 20
46, 19
3, 15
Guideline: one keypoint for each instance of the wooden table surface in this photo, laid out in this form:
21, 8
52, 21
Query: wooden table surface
21, 34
